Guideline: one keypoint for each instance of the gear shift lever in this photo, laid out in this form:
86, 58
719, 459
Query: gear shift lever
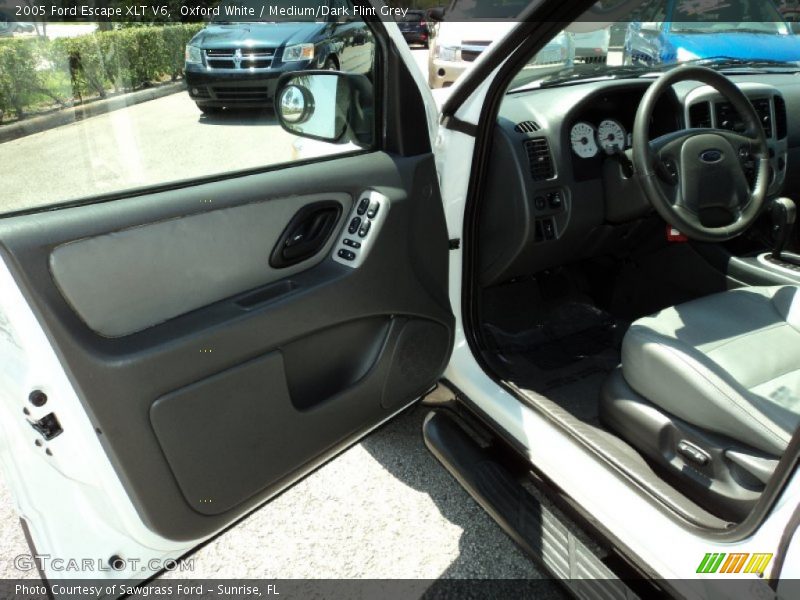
784, 214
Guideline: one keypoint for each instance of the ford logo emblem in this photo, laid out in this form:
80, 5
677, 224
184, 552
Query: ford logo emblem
711, 156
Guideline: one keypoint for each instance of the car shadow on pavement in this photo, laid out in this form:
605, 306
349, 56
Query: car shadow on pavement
485, 551
240, 117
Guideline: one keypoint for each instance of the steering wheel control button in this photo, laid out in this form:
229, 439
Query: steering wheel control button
351, 243
354, 225
373, 210
670, 170
363, 205
364, 229
347, 254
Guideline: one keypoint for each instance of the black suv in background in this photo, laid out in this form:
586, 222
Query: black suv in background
414, 27
237, 65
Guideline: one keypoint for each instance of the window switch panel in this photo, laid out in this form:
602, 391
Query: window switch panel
363, 228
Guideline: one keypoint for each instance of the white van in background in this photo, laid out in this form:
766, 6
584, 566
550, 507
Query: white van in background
466, 28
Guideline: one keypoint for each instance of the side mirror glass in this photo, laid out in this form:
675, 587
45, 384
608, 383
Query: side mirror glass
296, 105
330, 106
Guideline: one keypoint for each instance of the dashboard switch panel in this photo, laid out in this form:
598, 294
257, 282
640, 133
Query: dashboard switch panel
354, 243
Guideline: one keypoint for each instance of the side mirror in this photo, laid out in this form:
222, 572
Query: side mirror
436, 15
330, 106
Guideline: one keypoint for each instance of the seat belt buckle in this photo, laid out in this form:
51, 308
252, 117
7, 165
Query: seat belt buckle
673, 235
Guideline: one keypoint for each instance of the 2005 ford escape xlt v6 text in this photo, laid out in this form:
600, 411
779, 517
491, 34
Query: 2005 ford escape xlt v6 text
598, 263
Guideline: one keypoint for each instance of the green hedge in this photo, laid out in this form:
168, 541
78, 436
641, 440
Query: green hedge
37, 72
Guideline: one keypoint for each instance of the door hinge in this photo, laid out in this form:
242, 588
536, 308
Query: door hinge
48, 426
454, 244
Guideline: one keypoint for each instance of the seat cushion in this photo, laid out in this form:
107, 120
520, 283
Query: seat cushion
728, 363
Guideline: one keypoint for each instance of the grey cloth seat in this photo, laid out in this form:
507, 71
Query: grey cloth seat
727, 363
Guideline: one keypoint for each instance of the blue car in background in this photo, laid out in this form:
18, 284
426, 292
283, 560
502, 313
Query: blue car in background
690, 30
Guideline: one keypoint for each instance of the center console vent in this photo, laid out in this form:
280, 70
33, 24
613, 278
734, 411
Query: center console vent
728, 117
541, 162
700, 115
780, 117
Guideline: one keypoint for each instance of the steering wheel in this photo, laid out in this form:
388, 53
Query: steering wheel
696, 178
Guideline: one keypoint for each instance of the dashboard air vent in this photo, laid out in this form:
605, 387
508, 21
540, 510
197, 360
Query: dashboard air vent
540, 160
700, 115
527, 127
729, 118
780, 117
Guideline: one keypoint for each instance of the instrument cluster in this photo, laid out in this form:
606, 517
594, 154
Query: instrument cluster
608, 136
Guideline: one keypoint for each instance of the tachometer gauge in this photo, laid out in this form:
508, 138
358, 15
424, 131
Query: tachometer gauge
582, 138
611, 136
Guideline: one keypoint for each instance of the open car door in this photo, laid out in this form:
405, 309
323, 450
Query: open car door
173, 356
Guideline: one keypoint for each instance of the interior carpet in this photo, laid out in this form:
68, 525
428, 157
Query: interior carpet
566, 356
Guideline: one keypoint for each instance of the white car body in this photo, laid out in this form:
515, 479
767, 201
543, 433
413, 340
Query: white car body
74, 502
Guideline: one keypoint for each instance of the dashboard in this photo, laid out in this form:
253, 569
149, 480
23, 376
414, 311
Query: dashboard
558, 185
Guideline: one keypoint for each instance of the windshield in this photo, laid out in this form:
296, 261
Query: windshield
637, 39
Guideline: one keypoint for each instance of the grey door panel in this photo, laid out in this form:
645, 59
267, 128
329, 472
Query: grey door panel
310, 360
178, 265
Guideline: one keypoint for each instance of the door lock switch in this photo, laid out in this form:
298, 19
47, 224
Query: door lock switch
351, 243
347, 254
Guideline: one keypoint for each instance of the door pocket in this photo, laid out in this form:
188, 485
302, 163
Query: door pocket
225, 436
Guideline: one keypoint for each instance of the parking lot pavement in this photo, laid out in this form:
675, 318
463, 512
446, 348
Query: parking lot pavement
159, 141
383, 509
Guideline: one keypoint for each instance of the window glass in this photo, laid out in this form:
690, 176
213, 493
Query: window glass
96, 109
715, 33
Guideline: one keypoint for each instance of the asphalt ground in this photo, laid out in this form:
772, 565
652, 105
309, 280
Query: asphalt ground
155, 142
384, 509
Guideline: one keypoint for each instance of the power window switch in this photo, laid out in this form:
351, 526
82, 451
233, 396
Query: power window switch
354, 225
373, 210
363, 205
364, 229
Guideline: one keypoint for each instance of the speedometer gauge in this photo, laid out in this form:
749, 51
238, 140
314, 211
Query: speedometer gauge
582, 138
611, 136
